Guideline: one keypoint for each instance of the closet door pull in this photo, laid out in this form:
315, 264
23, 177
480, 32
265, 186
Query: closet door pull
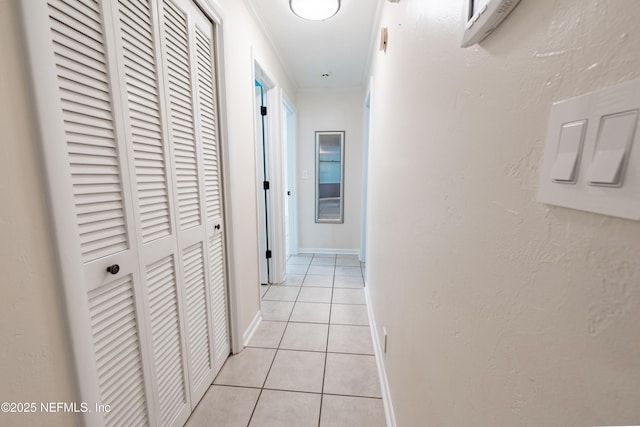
113, 269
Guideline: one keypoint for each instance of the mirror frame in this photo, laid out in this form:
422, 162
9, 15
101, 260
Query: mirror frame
339, 220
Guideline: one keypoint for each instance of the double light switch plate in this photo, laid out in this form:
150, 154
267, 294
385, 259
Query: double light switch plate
592, 154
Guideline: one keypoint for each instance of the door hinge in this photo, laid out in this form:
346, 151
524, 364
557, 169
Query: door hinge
263, 110
268, 253
265, 185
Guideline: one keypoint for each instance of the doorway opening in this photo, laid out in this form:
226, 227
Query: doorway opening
290, 172
269, 177
263, 182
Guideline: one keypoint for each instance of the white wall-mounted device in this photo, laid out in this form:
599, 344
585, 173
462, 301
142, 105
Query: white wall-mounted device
592, 155
484, 16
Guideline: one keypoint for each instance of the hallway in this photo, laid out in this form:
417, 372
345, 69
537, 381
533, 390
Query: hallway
310, 362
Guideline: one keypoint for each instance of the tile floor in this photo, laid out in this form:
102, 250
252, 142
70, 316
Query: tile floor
310, 363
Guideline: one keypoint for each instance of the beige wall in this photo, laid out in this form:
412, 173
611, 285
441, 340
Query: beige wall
35, 356
500, 311
35, 359
330, 110
244, 38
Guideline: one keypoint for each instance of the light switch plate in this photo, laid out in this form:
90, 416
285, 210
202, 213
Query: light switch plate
606, 176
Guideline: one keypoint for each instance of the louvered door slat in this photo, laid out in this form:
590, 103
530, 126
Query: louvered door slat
218, 300
206, 97
88, 124
144, 116
181, 110
165, 327
118, 360
62, 13
197, 316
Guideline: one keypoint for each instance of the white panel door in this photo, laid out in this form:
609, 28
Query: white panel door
138, 40
97, 165
128, 111
188, 66
207, 124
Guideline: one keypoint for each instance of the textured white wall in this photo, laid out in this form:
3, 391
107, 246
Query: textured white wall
330, 110
501, 311
35, 359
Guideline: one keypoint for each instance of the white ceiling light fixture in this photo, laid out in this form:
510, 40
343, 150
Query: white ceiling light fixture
315, 10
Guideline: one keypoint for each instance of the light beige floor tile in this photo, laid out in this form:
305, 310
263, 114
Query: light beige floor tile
348, 282
281, 293
286, 409
224, 406
263, 289
347, 296
310, 294
350, 339
294, 280
249, 368
268, 334
326, 270
276, 310
300, 260
323, 261
325, 281
297, 371
349, 314
348, 271
348, 262
351, 374
297, 268
305, 336
312, 312
340, 411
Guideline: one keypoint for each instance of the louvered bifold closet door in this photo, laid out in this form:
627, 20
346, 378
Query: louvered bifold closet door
181, 81
93, 137
207, 115
146, 130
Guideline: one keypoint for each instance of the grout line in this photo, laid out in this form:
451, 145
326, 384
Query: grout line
294, 391
254, 407
353, 395
324, 371
236, 386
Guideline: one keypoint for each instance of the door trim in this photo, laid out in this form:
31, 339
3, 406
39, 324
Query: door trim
274, 171
292, 164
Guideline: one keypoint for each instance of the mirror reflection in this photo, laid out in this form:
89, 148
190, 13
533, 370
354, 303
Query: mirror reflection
329, 177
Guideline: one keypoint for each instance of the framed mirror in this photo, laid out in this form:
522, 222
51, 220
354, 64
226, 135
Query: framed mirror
330, 177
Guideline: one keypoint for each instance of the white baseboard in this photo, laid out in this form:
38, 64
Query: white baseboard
328, 251
248, 334
382, 373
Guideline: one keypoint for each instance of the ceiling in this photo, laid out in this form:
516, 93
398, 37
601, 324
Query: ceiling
340, 46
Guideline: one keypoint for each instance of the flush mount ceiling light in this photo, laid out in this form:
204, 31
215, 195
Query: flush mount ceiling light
315, 10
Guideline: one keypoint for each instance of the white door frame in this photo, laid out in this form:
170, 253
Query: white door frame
289, 146
365, 173
274, 157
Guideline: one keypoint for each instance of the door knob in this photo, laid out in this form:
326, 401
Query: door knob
113, 269
288, 193
217, 226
